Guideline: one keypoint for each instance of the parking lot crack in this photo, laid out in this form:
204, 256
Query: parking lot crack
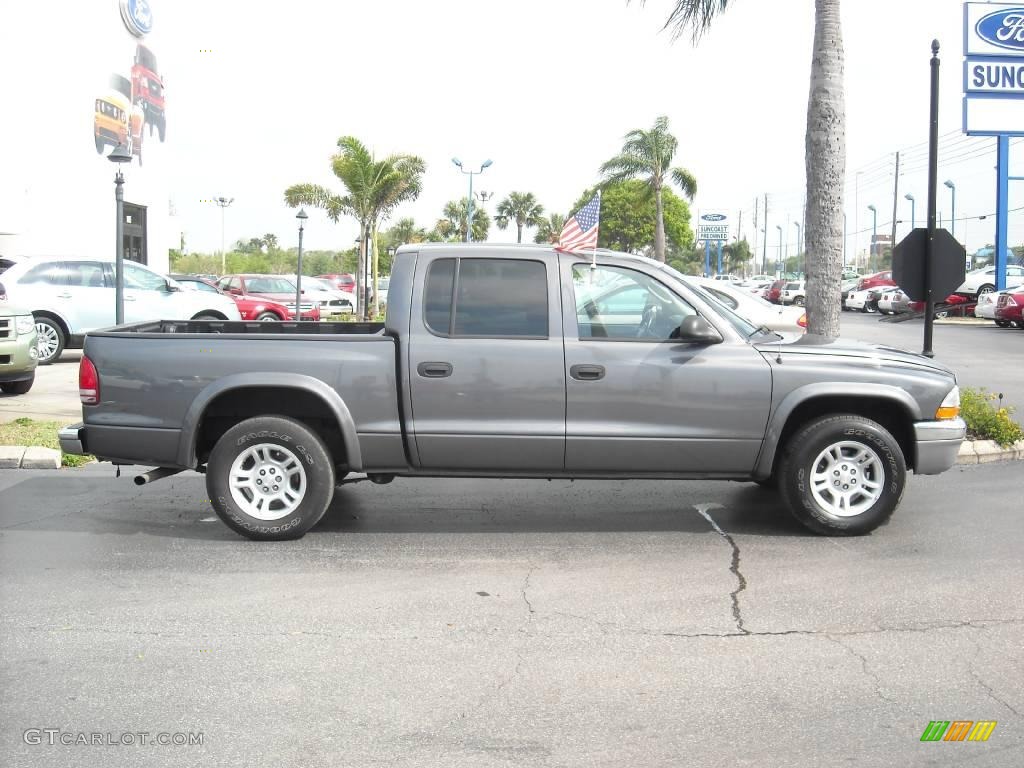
864, 667
734, 566
988, 689
526, 586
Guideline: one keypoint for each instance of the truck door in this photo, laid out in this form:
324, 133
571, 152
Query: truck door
486, 363
639, 402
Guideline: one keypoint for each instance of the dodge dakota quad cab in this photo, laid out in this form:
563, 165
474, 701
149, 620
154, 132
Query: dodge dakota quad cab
516, 361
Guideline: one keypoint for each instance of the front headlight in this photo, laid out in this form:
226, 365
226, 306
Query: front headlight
24, 324
950, 407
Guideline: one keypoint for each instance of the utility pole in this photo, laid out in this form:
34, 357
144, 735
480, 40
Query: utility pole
739, 231
757, 205
895, 198
764, 255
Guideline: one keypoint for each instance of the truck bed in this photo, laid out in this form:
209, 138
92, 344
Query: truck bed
160, 379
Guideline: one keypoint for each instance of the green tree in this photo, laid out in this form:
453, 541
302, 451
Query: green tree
648, 155
629, 217
549, 228
404, 231
270, 241
824, 151
736, 256
523, 209
451, 228
373, 189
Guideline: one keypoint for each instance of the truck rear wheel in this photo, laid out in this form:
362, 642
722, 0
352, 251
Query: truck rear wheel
842, 475
270, 478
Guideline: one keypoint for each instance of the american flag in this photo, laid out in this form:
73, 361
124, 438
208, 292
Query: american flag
580, 231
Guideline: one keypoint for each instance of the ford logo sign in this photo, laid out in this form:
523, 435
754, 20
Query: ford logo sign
713, 217
137, 16
1003, 29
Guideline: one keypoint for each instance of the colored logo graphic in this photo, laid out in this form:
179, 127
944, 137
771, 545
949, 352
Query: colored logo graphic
958, 730
137, 17
1003, 29
713, 217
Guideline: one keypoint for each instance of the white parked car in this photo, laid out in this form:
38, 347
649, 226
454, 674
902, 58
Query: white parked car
332, 302
888, 298
728, 278
858, 300
71, 296
983, 280
794, 293
752, 308
987, 301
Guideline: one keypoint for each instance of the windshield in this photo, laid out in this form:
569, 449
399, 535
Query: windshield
269, 285
743, 327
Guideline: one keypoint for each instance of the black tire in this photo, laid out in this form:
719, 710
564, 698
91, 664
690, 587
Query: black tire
802, 455
267, 317
1004, 323
18, 387
983, 289
207, 316
52, 340
870, 308
286, 440
799, 301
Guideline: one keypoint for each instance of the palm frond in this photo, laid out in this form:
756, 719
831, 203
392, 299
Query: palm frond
693, 15
685, 180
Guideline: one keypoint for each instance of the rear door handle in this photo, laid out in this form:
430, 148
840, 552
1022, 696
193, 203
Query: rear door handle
64, 295
434, 370
587, 372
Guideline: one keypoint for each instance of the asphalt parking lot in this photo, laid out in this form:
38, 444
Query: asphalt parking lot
485, 623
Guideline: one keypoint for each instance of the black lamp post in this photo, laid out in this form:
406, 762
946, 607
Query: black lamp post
120, 155
301, 216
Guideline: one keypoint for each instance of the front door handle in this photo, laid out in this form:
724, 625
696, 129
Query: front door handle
434, 370
64, 295
587, 372
128, 298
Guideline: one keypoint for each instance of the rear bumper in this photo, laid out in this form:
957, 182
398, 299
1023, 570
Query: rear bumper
123, 445
937, 444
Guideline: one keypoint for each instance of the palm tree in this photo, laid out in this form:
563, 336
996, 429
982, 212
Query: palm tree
405, 231
270, 240
521, 207
374, 189
452, 227
549, 228
824, 152
648, 155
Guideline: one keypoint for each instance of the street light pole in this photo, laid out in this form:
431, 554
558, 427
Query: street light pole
874, 231
223, 202
952, 219
120, 155
301, 216
780, 261
913, 208
469, 206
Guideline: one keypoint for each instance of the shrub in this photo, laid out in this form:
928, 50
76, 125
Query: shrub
987, 420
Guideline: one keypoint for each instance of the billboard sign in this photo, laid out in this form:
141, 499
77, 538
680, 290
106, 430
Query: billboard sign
993, 69
713, 226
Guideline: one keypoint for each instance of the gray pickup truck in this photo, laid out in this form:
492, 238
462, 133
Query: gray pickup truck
516, 361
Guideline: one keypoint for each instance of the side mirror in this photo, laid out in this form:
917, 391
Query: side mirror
171, 288
696, 330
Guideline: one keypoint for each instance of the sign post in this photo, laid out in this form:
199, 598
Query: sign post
712, 227
994, 95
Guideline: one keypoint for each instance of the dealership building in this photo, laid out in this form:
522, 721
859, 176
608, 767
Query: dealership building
79, 79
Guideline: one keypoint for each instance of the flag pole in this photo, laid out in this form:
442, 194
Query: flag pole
593, 260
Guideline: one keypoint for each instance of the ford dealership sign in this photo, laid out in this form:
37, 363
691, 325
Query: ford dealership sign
137, 16
993, 69
1004, 29
713, 226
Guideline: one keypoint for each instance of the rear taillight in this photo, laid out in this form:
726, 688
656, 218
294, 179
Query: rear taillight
3, 293
802, 322
88, 382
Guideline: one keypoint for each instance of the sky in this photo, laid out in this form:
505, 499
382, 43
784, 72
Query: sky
546, 90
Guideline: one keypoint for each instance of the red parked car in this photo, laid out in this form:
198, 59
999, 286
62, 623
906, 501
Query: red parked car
249, 307
877, 280
775, 291
346, 283
268, 287
1010, 309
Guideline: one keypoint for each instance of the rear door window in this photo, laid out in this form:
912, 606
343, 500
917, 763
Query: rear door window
50, 273
487, 298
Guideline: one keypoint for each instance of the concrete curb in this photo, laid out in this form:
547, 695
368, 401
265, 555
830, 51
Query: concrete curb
984, 451
29, 457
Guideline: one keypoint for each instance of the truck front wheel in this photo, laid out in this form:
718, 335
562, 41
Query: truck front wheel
842, 475
270, 478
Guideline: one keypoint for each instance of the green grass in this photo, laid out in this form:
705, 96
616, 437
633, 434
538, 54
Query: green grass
38, 433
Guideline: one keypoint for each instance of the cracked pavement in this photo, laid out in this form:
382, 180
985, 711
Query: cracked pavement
487, 623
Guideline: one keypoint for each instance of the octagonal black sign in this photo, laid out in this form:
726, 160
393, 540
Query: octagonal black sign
948, 264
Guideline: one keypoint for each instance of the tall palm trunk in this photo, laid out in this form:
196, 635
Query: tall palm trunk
361, 276
659, 227
519, 231
375, 267
826, 172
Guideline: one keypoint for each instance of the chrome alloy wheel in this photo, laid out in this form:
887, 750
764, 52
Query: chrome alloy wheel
268, 481
47, 340
847, 479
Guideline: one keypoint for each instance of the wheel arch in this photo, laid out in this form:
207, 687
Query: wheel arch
891, 407
57, 317
292, 395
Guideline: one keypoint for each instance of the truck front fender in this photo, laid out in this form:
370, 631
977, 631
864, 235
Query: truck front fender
831, 390
331, 399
